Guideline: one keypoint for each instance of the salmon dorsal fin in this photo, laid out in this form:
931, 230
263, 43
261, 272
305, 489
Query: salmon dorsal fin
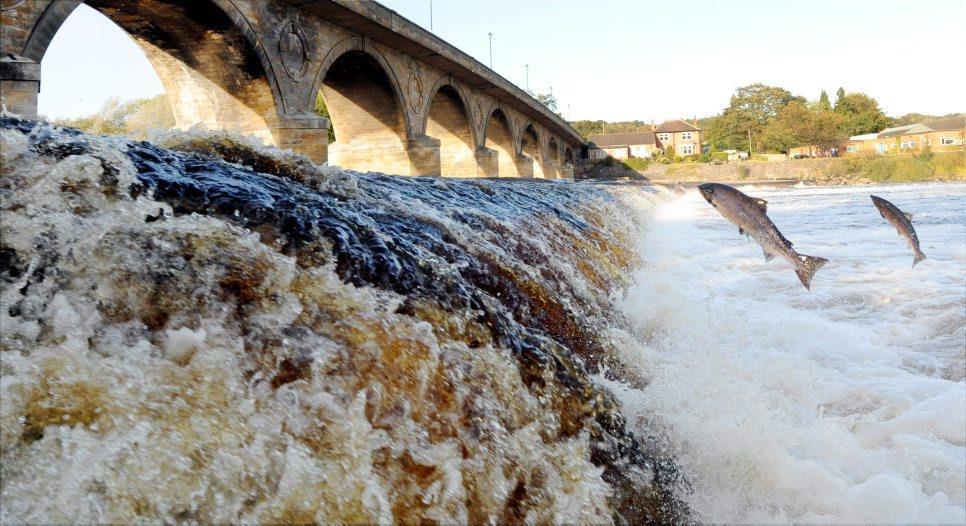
908, 215
762, 204
741, 231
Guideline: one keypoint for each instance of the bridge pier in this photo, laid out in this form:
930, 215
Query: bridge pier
305, 134
487, 162
524, 165
567, 172
550, 170
424, 156
19, 85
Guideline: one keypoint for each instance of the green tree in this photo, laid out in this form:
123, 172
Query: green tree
839, 95
861, 114
587, 128
823, 103
788, 129
826, 131
548, 100
322, 110
750, 109
799, 125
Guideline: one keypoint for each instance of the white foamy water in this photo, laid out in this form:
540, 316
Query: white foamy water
843, 404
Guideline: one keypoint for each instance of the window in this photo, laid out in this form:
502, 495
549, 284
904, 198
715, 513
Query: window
686, 136
687, 149
851, 149
907, 145
664, 136
946, 141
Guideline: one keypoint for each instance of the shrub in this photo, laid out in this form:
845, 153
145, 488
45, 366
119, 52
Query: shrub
743, 172
670, 156
901, 168
134, 118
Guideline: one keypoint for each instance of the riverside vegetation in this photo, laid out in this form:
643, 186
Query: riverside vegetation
860, 169
771, 119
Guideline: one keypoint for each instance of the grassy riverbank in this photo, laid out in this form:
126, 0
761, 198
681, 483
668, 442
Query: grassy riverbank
899, 168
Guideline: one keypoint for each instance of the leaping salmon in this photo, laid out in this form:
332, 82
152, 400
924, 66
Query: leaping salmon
749, 214
903, 223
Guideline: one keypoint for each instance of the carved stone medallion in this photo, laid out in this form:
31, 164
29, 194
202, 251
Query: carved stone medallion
293, 49
415, 87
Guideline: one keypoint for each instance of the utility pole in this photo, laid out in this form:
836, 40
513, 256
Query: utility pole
528, 78
568, 112
430, 15
491, 48
749, 145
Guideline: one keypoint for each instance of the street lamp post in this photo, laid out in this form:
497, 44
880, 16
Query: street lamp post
490, 34
528, 78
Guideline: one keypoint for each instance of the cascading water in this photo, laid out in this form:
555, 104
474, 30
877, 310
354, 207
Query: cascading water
214, 332
206, 330
842, 405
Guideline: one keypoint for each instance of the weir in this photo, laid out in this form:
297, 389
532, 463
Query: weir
206, 330
401, 100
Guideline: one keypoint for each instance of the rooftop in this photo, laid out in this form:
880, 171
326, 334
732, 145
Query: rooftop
606, 140
676, 125
894, 132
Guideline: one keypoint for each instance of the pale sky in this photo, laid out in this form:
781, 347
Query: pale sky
623, 59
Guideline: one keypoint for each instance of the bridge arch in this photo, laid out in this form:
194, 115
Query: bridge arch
498, 137
447, 119
552, 168
258, 67
349, 45
366, 110
209, 60
531, 146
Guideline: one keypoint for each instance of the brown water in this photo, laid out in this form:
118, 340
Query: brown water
220, 333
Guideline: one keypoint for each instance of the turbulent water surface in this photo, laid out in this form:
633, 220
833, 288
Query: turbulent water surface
213, 332
845, 404
206, 330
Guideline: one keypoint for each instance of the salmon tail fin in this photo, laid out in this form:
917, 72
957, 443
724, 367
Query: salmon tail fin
808, 268
919, 257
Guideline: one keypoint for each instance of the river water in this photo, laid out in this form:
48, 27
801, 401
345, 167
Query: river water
206, 330
843, 404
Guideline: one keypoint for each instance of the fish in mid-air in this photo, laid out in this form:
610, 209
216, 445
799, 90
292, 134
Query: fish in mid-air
903, 223
749, 214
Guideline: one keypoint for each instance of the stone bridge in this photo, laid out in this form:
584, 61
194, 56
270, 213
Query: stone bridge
400, 100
